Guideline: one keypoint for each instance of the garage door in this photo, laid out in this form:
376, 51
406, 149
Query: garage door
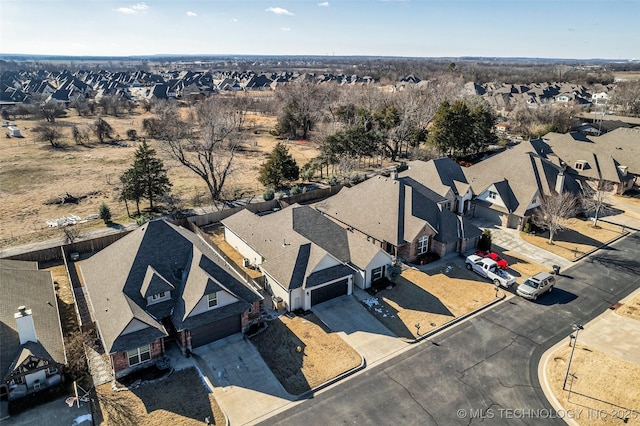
215, 331
330, 291
489, 215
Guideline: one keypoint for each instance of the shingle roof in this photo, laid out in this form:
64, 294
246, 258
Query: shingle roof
518, 174
396, 209
440, 175
620, 147
285, 239
33, 289
154, 256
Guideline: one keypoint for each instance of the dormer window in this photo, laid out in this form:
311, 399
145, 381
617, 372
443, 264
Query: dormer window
493, 195
160, 296
213, 300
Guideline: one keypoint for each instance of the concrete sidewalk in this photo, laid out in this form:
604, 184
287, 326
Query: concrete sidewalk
356, 326
610, 333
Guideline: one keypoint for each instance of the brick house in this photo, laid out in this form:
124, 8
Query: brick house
163, 283
402, 216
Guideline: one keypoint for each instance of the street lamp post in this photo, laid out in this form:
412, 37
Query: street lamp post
576, 328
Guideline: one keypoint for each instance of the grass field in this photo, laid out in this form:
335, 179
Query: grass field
34, 172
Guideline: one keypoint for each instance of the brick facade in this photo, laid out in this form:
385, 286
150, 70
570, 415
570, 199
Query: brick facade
120, 361
250, 318
409, 252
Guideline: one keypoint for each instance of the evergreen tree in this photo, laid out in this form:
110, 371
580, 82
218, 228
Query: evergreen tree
279, 167
105, 213
146, 178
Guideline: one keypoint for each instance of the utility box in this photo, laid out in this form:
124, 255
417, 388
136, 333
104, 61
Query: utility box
278, 303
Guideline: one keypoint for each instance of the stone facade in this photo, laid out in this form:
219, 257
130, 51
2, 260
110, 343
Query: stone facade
409, 252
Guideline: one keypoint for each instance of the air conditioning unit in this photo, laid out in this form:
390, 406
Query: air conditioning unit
246, 263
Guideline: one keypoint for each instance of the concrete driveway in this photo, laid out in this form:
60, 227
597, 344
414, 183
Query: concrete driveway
510, 239
363, 332
243, 385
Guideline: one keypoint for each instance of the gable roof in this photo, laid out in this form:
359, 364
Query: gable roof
440, 175
22, 285
293, 242
156, 256
518, 174
396, 210
619, 147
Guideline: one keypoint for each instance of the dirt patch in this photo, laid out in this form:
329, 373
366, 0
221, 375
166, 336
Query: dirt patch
630, 309
180, 399
33, 172
66, 302
217, 237
605, 390
307, 353
581, 237
429, 299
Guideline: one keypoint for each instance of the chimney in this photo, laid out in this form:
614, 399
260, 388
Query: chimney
560, 182
26, 329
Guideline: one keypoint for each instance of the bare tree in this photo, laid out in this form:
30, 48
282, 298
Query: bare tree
71, 233
49, 133
593, 200
102, 129
554, 212
80, 134
209, 150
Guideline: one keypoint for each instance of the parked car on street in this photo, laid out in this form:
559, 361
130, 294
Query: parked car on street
489, 268
538, 284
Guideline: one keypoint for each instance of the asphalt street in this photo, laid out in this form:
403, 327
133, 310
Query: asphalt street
485, 369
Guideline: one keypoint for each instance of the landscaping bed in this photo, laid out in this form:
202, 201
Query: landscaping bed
579, 238
178, 400
429, 299
303, 353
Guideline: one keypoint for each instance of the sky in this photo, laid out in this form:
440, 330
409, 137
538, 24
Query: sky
573, 29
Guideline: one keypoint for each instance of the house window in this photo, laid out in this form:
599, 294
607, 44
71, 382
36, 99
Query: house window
579, 165
423, 245
493, 195
377, 273
139, 355
213, 300
159, 296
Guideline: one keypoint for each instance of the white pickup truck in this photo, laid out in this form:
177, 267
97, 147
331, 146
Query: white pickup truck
489, 268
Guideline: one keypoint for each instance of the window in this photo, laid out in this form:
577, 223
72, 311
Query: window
579, 165
213, 300
139, 355
377, 273
159, 296
493, 195
423, 245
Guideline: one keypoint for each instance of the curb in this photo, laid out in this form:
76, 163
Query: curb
590, 252
310, 392
546, 387
457, 320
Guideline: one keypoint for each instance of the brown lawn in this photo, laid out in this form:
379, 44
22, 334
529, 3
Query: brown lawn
33, 172
630, 309
604, 385
580, 237
179, 400
322, 354
429, 299
519, 266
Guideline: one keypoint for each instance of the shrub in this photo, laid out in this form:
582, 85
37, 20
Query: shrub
485, 241
104, 213
527, 228
333, 180
296, 189
269, 194
357, 178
